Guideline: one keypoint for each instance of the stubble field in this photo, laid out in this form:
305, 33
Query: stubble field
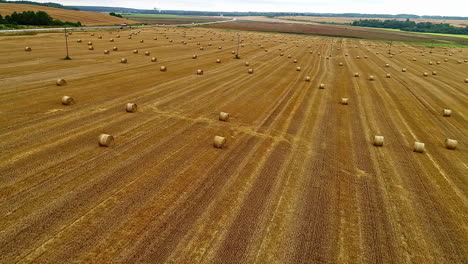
299, 180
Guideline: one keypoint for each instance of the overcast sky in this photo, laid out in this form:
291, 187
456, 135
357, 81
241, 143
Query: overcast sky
417, 7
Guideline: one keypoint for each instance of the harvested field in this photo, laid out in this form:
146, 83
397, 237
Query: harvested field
86, 18
298, 179
158, 19
284, 26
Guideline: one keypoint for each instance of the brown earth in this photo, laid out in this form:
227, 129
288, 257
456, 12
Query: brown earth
298, 182
86, 18
282, 26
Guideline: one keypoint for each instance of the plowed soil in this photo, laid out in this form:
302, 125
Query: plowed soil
299, 180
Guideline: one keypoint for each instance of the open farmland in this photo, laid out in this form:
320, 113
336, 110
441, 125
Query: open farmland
298, 181
456, 23
86, 18
158, 19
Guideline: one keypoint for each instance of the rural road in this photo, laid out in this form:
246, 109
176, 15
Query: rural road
99, 27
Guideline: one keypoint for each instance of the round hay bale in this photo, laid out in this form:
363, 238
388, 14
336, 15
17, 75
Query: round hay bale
451, 143
233, 52
61, 82
447, 112
344, 101
434, 73
100, 37
92, 34
356, 74
141, 41
289, 56
430, 63
199, 72
135, 51
68, 100
318, 53
340, 64
358, 57
391, 56
194, 56
403, 70
298, 68
251, 71
378, 141
388, 75
106, 51
425, 74
209, 44
131, 107
163, 68
247, 63
438, 62
219, 142
153, 59
307, 79
418, 147
123, 60
115, 48
90, 43
223, 116
377, 52
147, 53
201, 48
155, 38
281, 54
220, 47
414, 59
79, 41
322, 86
365, 57
466, 80
445, 60
295, 61
218, 60
459, 62
118, 36
371, 78
90, 48
111, 40
387, 65
106, 140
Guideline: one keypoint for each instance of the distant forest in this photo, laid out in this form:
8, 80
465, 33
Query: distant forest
408, 25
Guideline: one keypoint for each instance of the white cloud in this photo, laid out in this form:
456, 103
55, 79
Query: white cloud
418, 7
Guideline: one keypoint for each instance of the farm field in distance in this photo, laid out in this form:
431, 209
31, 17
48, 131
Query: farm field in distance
170, 19
457, 23
298, 181
86, 18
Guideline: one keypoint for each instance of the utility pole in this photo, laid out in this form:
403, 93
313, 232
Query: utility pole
66, 44
238, 43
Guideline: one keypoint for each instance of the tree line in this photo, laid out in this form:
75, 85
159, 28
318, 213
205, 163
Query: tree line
407, 25
31, 18
116, 15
